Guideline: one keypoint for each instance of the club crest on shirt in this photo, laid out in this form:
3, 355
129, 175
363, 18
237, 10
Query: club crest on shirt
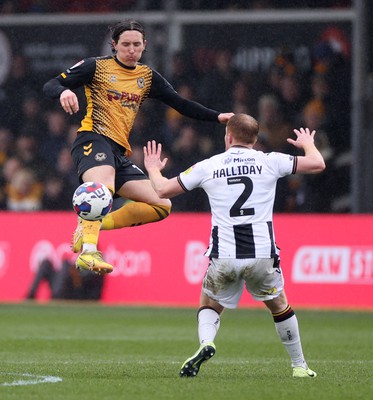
141, 83
113, 78
226, 160
100, 157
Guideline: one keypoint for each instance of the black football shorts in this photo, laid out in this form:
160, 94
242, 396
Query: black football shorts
92, 150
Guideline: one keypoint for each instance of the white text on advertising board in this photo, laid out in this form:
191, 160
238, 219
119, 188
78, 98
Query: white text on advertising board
333, 264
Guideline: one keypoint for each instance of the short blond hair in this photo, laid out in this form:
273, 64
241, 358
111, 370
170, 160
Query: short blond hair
243, 128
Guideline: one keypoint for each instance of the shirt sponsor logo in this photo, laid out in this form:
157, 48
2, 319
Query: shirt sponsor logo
128, 100
333, 264
122, 96
248, 160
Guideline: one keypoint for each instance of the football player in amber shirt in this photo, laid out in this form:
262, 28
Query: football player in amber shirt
115, 87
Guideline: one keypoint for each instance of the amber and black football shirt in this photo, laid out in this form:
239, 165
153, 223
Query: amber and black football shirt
115, 92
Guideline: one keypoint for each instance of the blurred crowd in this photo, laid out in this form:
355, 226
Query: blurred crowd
281, 99
108, 6
36, 169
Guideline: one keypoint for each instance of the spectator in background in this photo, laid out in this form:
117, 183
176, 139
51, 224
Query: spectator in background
173, 120
8, 7
274, 127
55, 196
331, 58
18, 85
32, 118
272, 81
87, 6
66, 283
9, 168
320, 89
274, 130
55, 136
24, 191
182, 72
60, 182
72, 130
6, 144
26, 149
216, 87
314, 115
64, 167
315, 187
291, 97
187, 149
242, 101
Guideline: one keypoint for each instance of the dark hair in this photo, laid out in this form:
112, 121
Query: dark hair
243, 128
126, 25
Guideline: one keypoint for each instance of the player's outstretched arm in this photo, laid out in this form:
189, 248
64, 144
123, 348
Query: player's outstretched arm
165, 188
224, 117
312, 162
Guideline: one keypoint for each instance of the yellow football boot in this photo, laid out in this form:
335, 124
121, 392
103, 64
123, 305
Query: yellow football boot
93, 261
299, 372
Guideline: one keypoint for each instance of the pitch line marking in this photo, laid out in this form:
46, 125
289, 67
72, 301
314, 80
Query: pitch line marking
36, 379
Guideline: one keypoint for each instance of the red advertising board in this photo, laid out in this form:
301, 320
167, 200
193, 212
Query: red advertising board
327, 260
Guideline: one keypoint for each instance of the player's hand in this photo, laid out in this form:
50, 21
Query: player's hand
152, 156
69, 101
304, 137
225, 117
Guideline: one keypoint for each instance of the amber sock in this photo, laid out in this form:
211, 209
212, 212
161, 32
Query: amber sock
91, 230
133, 214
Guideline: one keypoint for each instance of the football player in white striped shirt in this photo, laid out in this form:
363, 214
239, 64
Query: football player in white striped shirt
241, 184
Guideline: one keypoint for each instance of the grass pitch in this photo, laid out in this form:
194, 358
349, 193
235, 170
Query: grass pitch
90, 351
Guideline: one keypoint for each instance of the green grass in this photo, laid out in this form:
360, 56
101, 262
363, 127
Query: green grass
103, 352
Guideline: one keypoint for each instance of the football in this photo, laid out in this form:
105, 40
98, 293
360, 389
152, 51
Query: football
92, 201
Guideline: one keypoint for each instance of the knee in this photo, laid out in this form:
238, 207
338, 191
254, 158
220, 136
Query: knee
167, 204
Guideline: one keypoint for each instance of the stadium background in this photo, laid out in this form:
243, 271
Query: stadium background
322, 225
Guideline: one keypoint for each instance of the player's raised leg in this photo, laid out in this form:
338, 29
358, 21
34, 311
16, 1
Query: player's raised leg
145, 206
86, 234
85, 238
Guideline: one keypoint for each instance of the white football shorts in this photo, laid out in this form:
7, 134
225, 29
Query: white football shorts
225, 279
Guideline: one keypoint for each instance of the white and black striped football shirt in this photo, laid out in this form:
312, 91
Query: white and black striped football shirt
241, 185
